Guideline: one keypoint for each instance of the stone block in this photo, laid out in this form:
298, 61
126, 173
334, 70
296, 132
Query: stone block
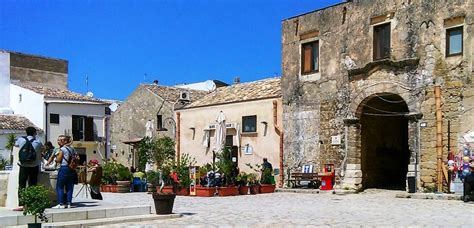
352, 181
353, 174
95, 214
69, 215
353, 167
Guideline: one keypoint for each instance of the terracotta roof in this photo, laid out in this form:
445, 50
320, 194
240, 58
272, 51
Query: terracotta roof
15, 122
171, 94
61, 94
266, 88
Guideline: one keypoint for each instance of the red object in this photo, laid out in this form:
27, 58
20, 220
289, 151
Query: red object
166, 189
183, 192
244, 190
267, 188
205, 191
228, 191
326, 182
174, 176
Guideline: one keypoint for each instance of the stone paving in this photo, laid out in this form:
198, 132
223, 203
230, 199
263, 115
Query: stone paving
370, 208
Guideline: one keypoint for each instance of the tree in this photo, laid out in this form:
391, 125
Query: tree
145, 149
10, 144
163, 150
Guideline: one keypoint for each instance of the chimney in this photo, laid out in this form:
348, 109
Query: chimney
236, 80
155, 82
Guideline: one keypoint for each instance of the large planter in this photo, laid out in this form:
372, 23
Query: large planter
254, 189
183, 192
267, 188
123, 186
34, 225
205, 191
228, 191
108, 188
166, 189
163, 203
243, 190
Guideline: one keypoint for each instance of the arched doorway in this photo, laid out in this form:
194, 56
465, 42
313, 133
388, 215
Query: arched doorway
384, 141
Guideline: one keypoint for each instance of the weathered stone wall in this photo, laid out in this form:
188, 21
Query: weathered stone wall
128, 122
316, 106
36, 70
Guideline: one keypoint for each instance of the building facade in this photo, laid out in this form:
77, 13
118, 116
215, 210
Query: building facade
358, 89
253, 118
149, 103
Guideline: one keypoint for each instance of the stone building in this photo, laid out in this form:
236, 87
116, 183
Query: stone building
358, 88
149, 102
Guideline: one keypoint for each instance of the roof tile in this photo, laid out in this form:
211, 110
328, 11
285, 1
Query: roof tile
15, 122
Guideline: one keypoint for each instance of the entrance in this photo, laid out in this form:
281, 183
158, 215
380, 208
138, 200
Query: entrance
384, 142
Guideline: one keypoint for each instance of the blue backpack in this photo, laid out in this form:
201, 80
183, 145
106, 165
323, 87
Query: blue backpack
27, 151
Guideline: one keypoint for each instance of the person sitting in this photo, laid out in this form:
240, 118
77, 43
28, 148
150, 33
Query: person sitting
138, 183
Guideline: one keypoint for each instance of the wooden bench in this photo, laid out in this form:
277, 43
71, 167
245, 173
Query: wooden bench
296, 178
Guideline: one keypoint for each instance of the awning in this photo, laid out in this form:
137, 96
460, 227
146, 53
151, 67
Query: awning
133, 141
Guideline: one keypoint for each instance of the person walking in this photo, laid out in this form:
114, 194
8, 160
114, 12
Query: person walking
30, 160
66, 175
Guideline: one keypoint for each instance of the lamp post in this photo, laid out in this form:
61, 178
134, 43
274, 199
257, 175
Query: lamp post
170, 120
175, 132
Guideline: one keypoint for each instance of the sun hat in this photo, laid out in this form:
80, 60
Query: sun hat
94, 161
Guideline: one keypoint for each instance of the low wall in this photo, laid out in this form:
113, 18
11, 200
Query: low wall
3, 187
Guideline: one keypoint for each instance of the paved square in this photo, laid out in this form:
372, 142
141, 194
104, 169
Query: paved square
370, 208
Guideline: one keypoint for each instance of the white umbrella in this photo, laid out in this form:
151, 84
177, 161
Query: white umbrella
220, 135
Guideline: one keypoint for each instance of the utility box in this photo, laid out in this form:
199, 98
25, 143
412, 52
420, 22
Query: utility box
327, 177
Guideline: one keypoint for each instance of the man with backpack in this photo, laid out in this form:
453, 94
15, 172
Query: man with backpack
30, 159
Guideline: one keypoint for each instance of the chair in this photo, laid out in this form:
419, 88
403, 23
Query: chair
138, 185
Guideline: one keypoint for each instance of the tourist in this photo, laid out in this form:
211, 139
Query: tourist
66, 176
96, 179
29, 166
48, 150
267, 170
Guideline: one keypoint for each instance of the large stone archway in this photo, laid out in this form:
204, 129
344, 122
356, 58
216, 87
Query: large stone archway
358, 172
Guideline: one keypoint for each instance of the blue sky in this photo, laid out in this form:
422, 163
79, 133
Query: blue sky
117, 42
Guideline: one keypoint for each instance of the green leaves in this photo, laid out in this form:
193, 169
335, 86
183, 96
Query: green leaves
35, 200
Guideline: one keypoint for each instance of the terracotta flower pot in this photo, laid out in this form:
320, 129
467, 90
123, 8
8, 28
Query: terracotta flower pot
166, 189
228, 191
205, 191
243, 190
123, 186
183, 192
254, 189
113, 188
267, 188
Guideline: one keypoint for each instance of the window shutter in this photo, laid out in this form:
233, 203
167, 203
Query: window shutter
307, 59
89, 129
386, 41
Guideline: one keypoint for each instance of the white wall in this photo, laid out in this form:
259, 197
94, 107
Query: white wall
31, 105
4, 80
66, 111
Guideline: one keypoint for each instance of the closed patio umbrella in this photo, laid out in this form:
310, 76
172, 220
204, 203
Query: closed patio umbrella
219, 136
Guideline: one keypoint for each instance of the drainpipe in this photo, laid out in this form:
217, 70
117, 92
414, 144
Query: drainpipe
178, 140
439, 137
46, 122
279, 132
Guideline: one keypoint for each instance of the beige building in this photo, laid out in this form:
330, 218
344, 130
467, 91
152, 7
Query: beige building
253, 116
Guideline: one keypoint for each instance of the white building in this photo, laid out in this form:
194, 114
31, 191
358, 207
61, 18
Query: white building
62, 112
12, 124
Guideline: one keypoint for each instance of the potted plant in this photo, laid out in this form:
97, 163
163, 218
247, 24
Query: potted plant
35, 200
202, 190
124, 177
226, 167
242, 181
162, 152
152, 180
182, 170
267, 181
109, 176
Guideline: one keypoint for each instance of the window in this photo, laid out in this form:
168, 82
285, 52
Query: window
159, 122
54, 118
310, 57
249, 123
83, 128
382, 41
454, 37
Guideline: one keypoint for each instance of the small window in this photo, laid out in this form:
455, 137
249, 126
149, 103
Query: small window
159, 122
310, 57
382, 41
54, 118
249, 123
454, 37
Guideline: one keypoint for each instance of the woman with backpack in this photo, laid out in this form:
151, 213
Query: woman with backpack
67, 158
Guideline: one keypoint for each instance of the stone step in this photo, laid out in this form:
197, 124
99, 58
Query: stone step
78, 214
109, 221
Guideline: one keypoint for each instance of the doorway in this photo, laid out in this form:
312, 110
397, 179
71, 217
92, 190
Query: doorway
384, 142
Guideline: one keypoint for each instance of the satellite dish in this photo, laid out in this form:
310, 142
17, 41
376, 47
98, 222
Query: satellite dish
113, 107
90, 94
210, 85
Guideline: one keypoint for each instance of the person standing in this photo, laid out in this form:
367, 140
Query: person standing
66, 175
30, 159
267, 169
96, 179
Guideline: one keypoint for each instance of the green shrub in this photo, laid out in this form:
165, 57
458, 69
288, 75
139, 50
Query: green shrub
152, 177
35, 200
242, 178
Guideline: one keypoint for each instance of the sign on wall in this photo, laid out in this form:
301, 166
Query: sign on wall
247, 149
336, 140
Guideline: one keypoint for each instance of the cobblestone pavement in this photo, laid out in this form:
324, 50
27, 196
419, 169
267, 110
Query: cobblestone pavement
370, 208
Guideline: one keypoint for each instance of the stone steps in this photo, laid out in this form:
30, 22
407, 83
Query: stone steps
78, 214
109, 221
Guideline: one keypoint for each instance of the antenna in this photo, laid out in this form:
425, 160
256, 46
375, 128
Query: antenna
87, 83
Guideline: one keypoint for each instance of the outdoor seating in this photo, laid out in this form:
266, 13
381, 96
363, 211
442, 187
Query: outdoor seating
305, 178
138, 185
